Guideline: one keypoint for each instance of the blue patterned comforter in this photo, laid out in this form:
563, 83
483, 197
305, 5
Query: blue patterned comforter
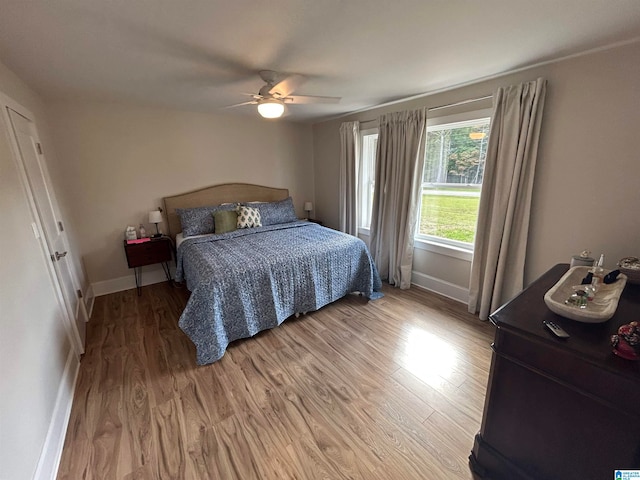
249, 280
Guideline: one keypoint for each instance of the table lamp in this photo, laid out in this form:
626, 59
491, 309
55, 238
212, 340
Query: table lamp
156, 217
308, 206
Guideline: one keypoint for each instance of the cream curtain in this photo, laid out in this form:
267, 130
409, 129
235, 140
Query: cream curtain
396, 199
497, 270
349, 154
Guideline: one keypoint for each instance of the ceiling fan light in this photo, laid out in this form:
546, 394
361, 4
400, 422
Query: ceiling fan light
271, 108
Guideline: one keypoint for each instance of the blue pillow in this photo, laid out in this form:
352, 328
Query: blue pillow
199, 221
273, 213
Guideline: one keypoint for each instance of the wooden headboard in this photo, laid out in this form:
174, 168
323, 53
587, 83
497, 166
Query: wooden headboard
215, 195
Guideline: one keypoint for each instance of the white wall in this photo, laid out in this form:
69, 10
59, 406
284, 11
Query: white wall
585, 192
116, 162
37, 365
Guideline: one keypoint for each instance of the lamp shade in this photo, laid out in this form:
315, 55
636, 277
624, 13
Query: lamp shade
271, 108
308, 206
155, 216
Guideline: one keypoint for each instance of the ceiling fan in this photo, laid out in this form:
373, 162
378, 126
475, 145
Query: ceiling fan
273, 96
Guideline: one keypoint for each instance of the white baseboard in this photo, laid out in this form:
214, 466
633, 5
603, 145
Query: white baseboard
442, 287
149, 277
49, 461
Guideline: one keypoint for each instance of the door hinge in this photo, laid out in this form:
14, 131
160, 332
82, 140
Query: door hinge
79, 292
60, 227
39, 147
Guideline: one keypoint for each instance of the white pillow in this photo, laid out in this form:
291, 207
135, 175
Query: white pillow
248, 217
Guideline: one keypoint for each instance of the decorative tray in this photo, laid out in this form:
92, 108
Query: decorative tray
598, 310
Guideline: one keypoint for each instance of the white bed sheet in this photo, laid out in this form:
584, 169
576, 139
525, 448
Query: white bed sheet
181, 238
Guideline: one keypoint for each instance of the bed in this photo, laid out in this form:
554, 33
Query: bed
246, 280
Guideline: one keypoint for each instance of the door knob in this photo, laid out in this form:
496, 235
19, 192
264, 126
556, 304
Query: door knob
60, 255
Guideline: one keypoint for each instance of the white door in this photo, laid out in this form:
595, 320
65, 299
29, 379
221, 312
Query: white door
31, 155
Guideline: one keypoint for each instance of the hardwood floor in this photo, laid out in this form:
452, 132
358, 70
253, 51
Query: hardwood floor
390, 389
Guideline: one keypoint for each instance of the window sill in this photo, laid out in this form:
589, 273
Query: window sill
434, 247
443, 249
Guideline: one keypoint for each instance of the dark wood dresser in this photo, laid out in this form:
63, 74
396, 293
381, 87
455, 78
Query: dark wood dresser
558, 409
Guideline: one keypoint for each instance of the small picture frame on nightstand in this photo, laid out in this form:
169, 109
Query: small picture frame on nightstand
130, 233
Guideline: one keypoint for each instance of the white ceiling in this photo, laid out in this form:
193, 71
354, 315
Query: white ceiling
203, 54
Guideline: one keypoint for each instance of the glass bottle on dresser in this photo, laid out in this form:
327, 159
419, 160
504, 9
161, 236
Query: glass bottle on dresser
598, 272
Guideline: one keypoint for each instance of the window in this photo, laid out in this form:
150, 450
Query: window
455, 153
369, 142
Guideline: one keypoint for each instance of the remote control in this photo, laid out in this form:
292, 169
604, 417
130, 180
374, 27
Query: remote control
555, 329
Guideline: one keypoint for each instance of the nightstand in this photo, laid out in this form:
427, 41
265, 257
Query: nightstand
313, 220
159, 250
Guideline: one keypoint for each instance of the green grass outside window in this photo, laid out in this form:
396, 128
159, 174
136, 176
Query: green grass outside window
452, 217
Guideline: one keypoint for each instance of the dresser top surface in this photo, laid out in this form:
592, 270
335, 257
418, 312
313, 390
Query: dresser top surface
525, 313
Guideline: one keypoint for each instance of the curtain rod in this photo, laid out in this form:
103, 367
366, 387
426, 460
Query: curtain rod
462, 102
448, 105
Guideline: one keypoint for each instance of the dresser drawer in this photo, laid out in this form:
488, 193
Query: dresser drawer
148, 253
560, 364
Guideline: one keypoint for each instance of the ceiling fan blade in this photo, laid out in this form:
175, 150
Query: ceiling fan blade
287, 85
253, 102
300, 99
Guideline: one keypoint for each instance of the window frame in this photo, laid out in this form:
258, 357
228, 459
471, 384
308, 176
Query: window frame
432, 243
361, 171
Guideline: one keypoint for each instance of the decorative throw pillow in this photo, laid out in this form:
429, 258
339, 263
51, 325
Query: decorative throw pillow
225, 221
248, 217
199, 221
273, 213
